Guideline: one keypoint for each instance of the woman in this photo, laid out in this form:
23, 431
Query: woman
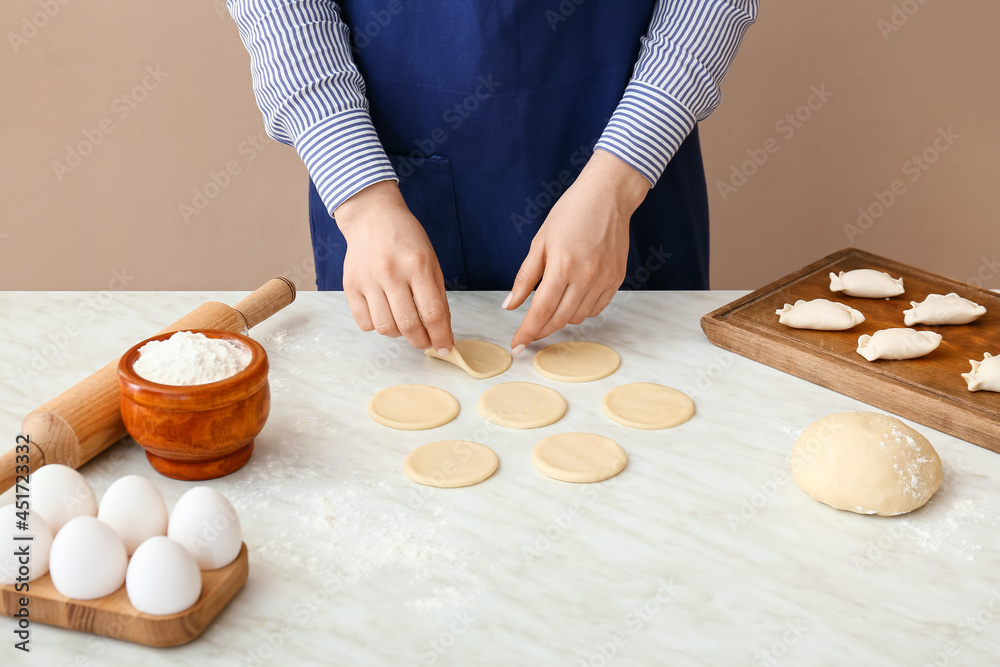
496, 144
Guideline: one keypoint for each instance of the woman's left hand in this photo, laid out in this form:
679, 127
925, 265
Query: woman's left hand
580, 251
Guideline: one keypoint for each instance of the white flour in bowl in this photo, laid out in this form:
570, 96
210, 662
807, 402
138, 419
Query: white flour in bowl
190, 358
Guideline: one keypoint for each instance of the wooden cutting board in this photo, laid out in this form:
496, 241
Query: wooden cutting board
929, 390
114, 616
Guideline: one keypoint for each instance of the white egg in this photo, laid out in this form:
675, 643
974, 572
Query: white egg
162, 578
207, 525
59, 494
135, 509
16, 566
88, 559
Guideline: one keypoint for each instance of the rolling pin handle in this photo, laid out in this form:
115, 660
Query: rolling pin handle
259, 305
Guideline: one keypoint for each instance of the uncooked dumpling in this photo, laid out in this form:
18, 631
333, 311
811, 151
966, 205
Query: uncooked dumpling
898, 344
478, 358
866, 462
866, 283
942, 309
819, 314
985, 374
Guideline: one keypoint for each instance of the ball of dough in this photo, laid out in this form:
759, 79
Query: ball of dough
866, 462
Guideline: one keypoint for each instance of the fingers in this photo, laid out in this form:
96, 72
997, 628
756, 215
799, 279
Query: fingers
407, 320
432, 305
382, 319
586, 306
568, 306
359, 311
527, 277
543, 307
602, 302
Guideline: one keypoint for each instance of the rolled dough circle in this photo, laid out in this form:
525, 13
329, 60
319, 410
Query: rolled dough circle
521, 405
478, 358
413, 407
576, 361
866, 462
449, 464
647, 405
578, 457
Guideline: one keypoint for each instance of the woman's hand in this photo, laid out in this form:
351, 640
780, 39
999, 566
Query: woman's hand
392, 278
580, 251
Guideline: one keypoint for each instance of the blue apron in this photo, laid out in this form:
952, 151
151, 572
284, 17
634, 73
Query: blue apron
489, 110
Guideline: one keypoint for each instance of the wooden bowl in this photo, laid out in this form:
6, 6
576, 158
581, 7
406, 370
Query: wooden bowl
202, 431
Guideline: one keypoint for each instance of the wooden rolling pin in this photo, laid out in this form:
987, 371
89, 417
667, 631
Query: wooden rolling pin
84, 420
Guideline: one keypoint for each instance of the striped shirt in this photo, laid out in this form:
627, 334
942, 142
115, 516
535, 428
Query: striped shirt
313, 97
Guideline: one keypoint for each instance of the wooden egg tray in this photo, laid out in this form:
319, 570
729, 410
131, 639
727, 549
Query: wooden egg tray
114, 616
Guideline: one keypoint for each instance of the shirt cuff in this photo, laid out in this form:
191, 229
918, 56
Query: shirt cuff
646, 129
344, 155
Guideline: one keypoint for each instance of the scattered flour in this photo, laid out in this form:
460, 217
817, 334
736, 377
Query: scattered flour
947, 534
190, 358
355, 534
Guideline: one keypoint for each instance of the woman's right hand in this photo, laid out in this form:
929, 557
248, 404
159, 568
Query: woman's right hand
392, 278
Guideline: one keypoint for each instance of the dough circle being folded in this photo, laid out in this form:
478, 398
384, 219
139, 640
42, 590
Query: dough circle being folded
413, 407
478, 358
647, 405
450, 464
576, 361
521, 405
578, 457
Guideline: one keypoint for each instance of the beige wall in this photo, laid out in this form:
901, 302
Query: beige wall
890, 96
119, 208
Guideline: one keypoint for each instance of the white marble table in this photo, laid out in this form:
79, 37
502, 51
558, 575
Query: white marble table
703, 552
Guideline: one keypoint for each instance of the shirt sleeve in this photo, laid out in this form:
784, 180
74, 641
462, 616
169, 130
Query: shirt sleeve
311, 93
682, 60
